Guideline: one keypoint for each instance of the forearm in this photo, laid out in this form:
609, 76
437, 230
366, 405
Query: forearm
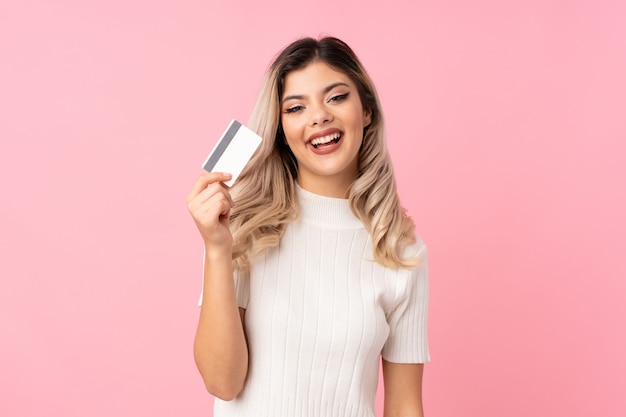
411, 413
403, 389
220, 348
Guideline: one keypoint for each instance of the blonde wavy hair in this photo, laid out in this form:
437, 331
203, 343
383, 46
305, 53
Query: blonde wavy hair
264, 194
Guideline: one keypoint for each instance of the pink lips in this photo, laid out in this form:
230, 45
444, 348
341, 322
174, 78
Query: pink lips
326, 141
323, 133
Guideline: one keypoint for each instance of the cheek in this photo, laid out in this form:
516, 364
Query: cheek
285, 131
290, 140
292, 132
286, 126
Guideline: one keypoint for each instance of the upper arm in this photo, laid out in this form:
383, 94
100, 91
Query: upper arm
403, 389
242, 314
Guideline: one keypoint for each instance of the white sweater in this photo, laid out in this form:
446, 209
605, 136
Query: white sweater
319, 314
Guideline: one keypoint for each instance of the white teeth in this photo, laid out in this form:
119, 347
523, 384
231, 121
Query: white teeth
325, 139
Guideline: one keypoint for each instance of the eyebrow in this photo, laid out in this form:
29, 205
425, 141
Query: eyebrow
324, 91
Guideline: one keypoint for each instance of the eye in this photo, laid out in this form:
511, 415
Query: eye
294, 109
339, 97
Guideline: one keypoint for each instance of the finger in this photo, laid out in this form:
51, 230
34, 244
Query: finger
227, 190
213, 195
210, 191
205, 179
211, 212
225, 219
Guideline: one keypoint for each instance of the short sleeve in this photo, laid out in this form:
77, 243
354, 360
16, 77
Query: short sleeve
408, 338
241, 287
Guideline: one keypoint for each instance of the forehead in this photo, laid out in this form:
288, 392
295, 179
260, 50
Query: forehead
312, 78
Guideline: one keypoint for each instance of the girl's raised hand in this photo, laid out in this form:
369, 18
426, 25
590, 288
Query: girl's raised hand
209, 203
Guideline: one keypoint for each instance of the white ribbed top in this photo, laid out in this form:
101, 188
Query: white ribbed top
319, 313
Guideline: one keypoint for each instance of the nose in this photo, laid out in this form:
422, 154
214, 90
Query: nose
320, 115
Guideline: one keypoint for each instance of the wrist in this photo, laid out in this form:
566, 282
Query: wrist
218, 253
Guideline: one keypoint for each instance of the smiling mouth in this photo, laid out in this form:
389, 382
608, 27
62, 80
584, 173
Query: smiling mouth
326, 140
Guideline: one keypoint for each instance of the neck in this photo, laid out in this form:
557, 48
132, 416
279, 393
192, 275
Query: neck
329, 186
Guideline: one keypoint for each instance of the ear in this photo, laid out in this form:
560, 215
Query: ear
367, 117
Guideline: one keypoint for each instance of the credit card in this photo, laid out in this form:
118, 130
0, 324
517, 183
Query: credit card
232, 151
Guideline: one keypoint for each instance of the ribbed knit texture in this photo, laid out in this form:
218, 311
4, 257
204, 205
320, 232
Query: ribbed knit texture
319, 313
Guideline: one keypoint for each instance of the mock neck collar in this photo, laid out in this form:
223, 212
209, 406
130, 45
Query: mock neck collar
325, 211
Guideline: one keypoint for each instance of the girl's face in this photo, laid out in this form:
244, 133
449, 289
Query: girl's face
323, 120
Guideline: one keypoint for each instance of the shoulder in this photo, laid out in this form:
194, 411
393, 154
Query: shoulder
417, 249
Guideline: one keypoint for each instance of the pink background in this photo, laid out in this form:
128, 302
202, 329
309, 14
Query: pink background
507, 127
